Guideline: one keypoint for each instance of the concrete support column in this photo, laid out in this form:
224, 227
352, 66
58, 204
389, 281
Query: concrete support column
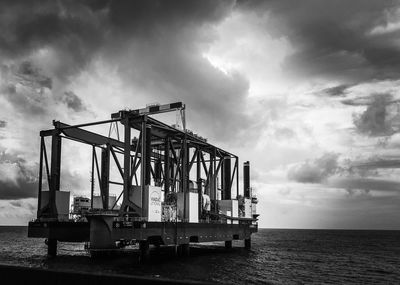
144, 248
51, 247
185, 249
247, 243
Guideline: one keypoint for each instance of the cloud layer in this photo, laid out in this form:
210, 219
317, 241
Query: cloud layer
307, 91
18, 180
337, 40
316, 171
155, 46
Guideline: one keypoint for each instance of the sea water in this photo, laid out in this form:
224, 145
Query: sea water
277, 256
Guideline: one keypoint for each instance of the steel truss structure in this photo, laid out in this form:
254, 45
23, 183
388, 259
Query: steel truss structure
150, 153
161, 155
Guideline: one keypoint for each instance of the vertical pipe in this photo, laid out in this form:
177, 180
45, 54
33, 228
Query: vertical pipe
227, 178
47, 165
148, 156
134, 166
40, 177
105, 176
211, 177
127, 158
172, 172
92, 181
237, 177
209, 181
157, 172
55, 161
183, 187
185, 166
198, 178
54, 173
143, 164
166, 166
214, 179
185, 179
246, 179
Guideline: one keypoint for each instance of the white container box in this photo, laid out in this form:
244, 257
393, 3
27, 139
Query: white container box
62, 203
192, 206
229, 208
152, 201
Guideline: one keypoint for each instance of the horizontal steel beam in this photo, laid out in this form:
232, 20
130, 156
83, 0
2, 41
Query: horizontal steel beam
151, 110
86, 136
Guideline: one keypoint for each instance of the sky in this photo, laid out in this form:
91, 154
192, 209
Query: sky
307, 91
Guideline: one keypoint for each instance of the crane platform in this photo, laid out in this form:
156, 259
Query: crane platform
175, 187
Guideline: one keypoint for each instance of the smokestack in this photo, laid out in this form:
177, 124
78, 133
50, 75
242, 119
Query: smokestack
226, 178
246, 179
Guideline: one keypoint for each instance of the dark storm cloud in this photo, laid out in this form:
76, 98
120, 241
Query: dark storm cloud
73, 101
316, 171
141, 17
353, 175
21, 99
21, 182
78, 30
378, 119
68, 28
157, 46
335, 39
25, 86
3, 124
28, 74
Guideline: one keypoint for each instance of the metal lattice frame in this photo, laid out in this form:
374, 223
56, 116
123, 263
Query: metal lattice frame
161, 155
